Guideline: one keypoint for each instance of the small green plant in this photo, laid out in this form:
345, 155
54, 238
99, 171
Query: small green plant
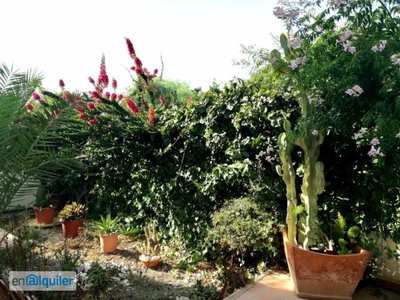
43, 200
346, 238
68, 260
72, 211
107, 225
99, 280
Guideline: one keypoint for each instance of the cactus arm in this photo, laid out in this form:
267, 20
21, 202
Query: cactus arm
313, 179
288, 174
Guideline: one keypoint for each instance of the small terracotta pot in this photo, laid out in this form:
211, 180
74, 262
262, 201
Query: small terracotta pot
150, 261
44, 215
108, 242
71, 228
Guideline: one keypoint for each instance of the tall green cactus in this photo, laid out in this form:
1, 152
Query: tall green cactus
287, 172
309, 140
313, 182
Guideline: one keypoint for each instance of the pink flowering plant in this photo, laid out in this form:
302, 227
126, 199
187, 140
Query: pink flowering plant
121, 140
341, 62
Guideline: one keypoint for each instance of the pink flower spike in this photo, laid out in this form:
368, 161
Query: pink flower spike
35, 96
91, 106
375, 142
350, 92
131, 50
94, 94
61, 83
132, 105
314, 132
29, 107
151, 117
114, 84
358, 89
374, 48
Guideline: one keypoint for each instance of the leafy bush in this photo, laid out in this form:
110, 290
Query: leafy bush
243, 233
244, 230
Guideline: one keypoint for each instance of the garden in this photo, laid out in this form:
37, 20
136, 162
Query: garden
214, 187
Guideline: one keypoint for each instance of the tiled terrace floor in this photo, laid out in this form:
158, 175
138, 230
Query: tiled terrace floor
277, 286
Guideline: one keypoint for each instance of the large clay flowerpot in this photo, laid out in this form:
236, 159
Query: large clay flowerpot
71, 228
108, 242
324, 276
44, 215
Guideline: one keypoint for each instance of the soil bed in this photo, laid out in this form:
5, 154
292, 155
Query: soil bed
135, 281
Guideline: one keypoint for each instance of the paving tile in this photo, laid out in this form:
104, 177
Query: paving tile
277, 286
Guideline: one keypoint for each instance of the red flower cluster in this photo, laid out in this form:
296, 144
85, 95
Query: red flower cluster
162, 100
138, 67
151, 117
61, 83
29, 107
132, 105
114, 84
130, 48
102, 81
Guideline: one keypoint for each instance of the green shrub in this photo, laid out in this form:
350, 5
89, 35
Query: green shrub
244, 231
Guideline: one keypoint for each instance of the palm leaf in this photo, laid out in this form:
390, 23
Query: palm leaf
28, 141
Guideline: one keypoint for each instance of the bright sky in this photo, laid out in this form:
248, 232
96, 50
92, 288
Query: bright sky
198, 39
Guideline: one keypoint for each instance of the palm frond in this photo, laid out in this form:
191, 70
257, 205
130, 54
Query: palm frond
28, 141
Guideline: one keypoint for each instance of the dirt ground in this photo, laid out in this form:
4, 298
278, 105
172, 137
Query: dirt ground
167, 281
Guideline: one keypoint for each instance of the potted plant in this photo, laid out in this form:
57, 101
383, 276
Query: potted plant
150, 252
108, 228
44, 208
326, 76
71, 218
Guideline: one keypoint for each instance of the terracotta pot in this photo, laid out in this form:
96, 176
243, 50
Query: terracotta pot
150, 261
108, 242
44, 215
325, 276
71, 228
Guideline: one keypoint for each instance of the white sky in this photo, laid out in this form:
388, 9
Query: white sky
198, 39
